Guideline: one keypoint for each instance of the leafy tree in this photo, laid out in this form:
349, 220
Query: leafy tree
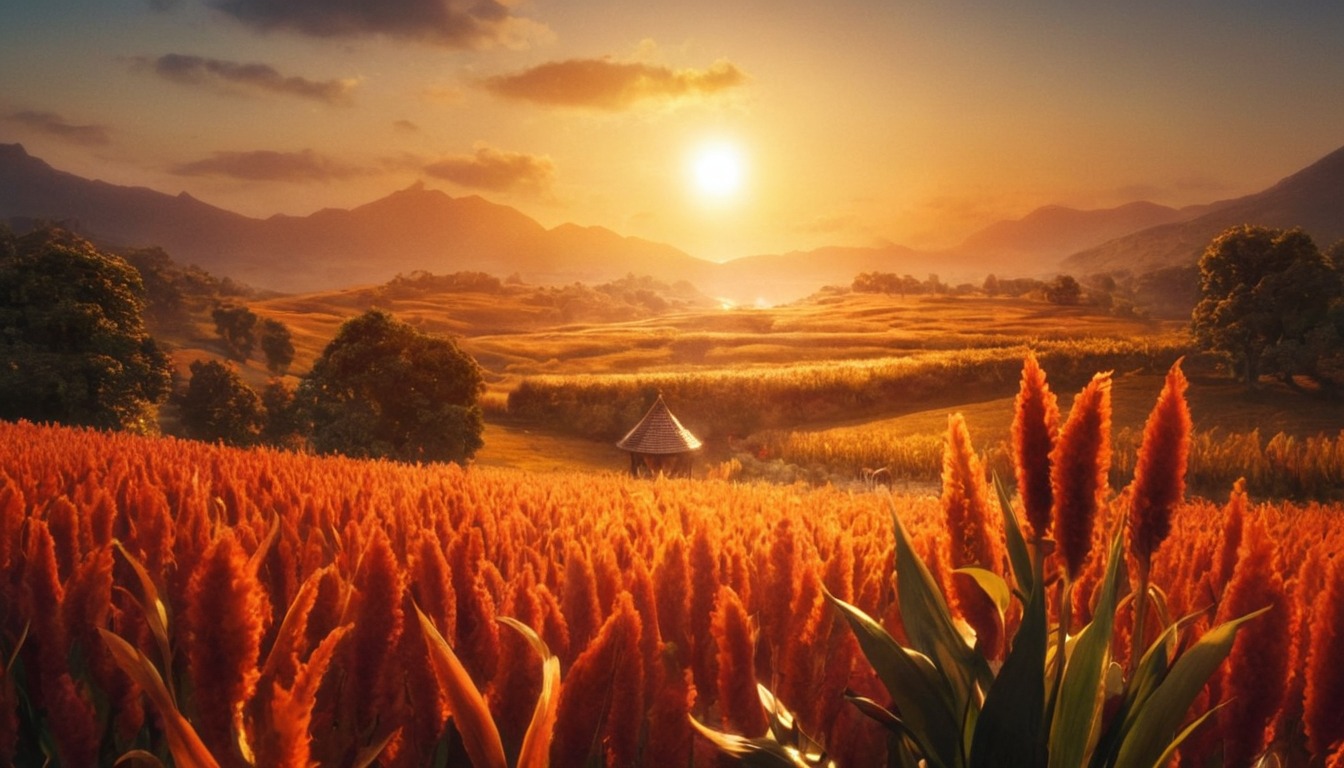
284, 423
237, 326
218, 405
73, 345
383, 389
1064, 290
277, 345
1266, 299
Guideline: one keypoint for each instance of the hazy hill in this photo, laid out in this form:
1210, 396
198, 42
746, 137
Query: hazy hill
413, 229
1312, 198
1038, 241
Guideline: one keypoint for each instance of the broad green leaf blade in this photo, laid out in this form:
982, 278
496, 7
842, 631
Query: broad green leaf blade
992, 584
184, 744
1010, 728
535, 752
914, 684
1169, 754
370, 753
155, 610
1018, 554
1080, 696
1165, 709
480, 737
138, 757
754, 753
928, 622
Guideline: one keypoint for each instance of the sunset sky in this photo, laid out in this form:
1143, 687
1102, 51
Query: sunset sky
850, 122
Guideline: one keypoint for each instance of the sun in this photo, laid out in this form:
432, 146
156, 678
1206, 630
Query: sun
718, 170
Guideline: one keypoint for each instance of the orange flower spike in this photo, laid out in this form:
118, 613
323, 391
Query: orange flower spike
965, 503
672, 587
583, 611
1080, 463
705, 579
608, 671
378, 624
1324, 703
1257, 668
1035, 427
738, 701
226, 612
1159, 474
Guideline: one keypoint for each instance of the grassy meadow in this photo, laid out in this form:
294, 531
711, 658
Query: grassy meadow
829, 389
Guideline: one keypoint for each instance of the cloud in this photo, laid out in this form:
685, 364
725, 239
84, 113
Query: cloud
406, 126
267, 165
449, 23
53, 124
495, 170
613, 85
231, 75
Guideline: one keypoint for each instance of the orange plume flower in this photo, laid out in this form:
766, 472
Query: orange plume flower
1035, 426
1079, 465
1159, 476
602, 695
226, 611
965, 503
1257, 669
1324, 704
738, 701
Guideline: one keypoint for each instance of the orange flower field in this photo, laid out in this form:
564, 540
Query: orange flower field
268, 605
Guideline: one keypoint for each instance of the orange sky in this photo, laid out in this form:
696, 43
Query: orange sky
858, 121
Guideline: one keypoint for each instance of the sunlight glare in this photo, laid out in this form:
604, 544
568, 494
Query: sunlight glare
717, 170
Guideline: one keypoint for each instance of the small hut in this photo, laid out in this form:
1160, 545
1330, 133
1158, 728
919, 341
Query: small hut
659, 444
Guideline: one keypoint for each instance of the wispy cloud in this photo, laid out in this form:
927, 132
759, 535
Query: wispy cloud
607, 84
495, 170
267, 165
450, 23
233, 76
53, 124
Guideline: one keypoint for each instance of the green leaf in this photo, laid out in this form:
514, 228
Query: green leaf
755, 753
1081, 695
928, 622
1018, 554
1009, 730
535, 751
916, 687
1163, 712
992, 584
471, 716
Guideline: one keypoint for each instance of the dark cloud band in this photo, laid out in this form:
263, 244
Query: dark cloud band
451, 23
613, 85
267, 165
495, 170
196, 70
53, 124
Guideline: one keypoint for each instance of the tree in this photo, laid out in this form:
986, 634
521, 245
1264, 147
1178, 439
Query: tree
383, 389
1064, 290
276, 345
73, 344
218, 405
237, 327
1265, 301
284, 424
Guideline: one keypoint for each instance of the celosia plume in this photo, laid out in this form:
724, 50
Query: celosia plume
971, 542
738, 702
1323, 713
1159, 476
1254, 677
227, 611
1035, 426
1079, 465
601, 696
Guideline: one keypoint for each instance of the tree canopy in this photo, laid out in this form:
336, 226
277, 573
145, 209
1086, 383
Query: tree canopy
1268, 301
381, 388
218, 405
73, 344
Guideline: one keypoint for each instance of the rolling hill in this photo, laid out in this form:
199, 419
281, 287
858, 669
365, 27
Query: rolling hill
1312, 199
420, 229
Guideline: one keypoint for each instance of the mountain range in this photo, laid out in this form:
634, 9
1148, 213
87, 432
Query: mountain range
424, 229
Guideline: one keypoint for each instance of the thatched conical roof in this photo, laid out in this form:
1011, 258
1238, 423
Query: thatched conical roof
659, 432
